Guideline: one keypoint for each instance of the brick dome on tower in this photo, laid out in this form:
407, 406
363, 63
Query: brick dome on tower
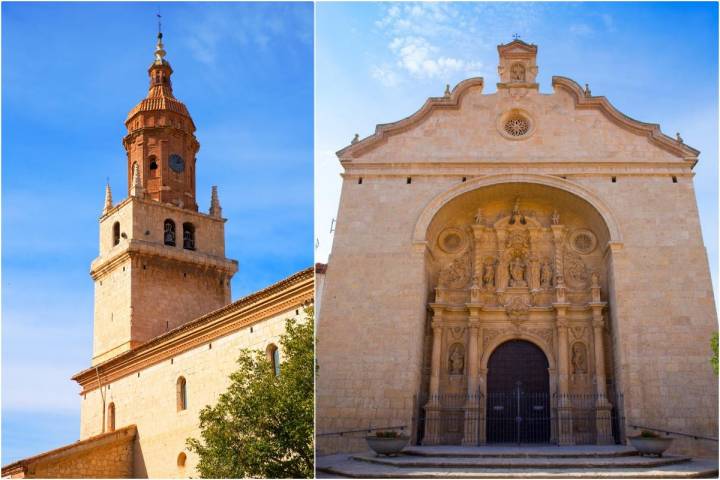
161, 139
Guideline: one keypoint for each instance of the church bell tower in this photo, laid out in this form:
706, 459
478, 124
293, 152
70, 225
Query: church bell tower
161, 263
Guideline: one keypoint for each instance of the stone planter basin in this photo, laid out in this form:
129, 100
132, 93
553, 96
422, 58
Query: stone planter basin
389, 446
651, 445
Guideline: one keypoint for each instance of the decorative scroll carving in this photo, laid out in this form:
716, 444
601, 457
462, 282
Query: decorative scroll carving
456, 361
579, 332
457, 274
489, 334
517, 309
579, 358
545, 333
457, 332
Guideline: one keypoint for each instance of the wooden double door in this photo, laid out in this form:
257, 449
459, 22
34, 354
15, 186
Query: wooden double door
518, 408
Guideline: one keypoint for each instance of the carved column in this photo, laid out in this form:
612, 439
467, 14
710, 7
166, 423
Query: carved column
564, 406
477, 275
558, 238
432, 407
603, 408
472, 402
501, 277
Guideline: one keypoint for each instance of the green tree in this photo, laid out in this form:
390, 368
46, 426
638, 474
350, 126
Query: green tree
262, 426
714, 346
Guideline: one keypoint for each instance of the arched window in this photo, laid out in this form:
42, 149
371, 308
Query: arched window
116, 233
181, 394
182, 458
153, 166
111, 417
169, 234
188, 236
273, 354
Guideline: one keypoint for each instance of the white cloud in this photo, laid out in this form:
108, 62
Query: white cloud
426, 41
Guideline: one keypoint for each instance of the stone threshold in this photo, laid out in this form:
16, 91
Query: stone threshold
404, 461
522, 451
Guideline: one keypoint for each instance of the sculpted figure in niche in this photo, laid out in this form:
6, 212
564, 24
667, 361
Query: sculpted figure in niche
479, 217
517, 273
517, 73
546, 274
457, 360
579, 358
488, 278
555, 218
516, 217
594, 280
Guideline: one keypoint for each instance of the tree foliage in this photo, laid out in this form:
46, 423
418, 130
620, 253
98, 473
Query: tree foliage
262, 426
714, 346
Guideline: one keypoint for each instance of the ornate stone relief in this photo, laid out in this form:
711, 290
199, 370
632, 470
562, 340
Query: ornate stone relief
457, 274
488, 274
517, 309
456, 360
576, 274
545, 333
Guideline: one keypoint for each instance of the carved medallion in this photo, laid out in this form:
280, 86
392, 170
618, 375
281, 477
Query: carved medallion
583, 241
457, 274
517, 309
452, 240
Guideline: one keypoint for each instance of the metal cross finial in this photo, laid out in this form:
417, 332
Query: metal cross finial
516, 36
159, 25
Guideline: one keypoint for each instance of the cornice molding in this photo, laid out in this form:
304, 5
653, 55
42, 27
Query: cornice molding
382, 131
650, 130
289, 293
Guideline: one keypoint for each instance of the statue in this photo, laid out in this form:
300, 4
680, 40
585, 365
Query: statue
517, 73
546, 273
579, 360
517, 273
516, 217
479, 217
555, 218
594, 280
488, 278
457, 360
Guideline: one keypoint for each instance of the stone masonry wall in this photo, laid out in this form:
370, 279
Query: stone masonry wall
147, 398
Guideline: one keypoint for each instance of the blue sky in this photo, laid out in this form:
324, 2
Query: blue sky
70, 75
378, 63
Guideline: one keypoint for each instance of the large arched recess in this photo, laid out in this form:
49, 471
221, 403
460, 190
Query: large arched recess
436, 204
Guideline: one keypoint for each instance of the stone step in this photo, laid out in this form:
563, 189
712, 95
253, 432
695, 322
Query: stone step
523, 451
412, 461
344, 466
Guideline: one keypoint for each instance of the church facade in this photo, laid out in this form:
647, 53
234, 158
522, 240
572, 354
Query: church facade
166, 336
517, 255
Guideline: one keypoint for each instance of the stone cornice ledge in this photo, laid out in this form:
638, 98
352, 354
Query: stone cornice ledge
650, 130
100, 267
382, 131
283, 295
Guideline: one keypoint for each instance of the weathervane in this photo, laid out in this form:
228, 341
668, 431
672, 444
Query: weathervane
516, 36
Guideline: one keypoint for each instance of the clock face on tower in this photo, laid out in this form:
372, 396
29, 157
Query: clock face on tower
176, 162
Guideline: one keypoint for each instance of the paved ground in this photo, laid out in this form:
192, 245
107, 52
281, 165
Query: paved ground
523, 451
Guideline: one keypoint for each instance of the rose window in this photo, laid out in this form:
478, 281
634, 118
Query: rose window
517, 126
